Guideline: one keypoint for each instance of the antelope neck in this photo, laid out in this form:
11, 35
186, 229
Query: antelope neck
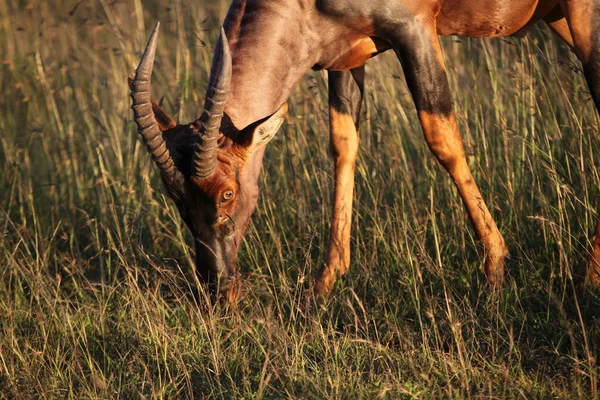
272, 48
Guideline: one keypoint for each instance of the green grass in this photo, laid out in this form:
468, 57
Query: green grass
95, 265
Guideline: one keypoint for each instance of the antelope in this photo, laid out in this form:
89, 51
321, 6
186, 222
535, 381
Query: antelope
210, 167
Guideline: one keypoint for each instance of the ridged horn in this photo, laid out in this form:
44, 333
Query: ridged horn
205, 152
142, 108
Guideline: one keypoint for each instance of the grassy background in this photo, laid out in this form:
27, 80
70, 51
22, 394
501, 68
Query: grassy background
95, 264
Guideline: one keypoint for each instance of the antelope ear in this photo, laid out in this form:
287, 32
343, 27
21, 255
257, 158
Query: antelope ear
165, 121
261, 132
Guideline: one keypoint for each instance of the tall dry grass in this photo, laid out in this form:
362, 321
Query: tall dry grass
95, 277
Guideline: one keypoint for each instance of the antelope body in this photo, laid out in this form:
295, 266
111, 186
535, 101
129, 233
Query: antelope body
210, 166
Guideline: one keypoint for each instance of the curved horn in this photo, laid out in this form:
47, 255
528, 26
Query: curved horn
142, 108
205, 152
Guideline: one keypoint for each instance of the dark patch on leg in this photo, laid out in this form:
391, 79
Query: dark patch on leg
346, 91
418, 50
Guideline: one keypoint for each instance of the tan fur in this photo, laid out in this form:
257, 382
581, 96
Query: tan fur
344, 143
490, 18
561, 28
444, 140
358, 53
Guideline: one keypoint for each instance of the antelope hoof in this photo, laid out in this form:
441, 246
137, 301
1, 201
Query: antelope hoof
494, 267
325, 282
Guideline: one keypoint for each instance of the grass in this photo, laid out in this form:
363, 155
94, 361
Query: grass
95, 276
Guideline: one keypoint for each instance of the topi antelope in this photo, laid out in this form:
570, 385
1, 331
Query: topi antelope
210, 166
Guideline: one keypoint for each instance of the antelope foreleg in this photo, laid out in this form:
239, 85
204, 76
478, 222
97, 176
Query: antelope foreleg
417, 46
345, 98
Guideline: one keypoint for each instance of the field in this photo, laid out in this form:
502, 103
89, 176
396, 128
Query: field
96, 270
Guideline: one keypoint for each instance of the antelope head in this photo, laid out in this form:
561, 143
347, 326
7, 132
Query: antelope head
209, 168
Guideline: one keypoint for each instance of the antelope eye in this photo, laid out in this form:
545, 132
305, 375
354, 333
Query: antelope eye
226, 196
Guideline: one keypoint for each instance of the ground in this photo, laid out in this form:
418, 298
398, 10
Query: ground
96, 294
